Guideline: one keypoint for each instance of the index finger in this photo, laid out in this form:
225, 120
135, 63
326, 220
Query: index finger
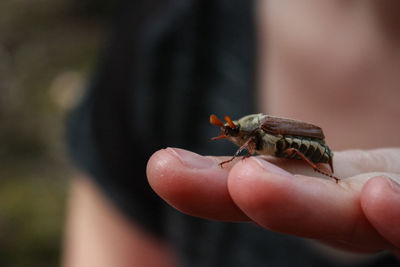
193, 184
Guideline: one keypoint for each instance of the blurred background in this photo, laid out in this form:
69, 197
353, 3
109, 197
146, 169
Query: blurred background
48, 49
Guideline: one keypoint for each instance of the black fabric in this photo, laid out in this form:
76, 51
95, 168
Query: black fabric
168, 65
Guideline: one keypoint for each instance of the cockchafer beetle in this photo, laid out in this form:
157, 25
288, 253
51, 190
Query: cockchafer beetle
279, 137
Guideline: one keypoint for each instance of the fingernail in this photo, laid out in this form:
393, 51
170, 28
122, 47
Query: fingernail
190, 159
393, 184
269, 166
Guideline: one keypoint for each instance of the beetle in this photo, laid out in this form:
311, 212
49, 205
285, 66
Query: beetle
279, 137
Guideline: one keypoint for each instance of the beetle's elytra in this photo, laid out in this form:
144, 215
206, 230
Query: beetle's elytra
279, 137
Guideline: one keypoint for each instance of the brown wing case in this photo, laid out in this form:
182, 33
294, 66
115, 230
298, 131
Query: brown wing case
283, 126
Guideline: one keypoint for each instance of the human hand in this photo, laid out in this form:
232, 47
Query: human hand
360, 213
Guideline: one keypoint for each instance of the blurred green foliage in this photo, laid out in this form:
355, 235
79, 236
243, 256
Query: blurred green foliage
47, 50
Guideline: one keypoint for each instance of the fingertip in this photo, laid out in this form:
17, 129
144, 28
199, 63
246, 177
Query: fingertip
174, 173
166, 167
380, 201
160, 164
378, 193
193, 184
246, 171
253, 176
261, 189
372, 190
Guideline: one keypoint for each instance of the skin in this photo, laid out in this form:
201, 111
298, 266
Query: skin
98, 234
332, 63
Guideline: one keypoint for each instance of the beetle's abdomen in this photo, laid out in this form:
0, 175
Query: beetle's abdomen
315, 150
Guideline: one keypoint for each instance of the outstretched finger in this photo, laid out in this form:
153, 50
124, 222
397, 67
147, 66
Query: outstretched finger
303, 206
193, 184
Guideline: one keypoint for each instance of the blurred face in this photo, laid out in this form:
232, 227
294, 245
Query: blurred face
334, 63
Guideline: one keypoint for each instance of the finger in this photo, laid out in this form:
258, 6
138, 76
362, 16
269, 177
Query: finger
301, 205
193, 184
353, 162
380, 201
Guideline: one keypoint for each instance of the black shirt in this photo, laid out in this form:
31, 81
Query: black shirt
168, 65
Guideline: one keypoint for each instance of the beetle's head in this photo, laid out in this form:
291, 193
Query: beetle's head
228, 129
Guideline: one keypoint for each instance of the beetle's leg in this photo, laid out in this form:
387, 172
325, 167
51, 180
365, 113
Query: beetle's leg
330, 164
249, 145
291, 151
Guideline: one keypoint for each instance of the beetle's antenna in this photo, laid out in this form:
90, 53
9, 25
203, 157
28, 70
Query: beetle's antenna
229, 121
218, 137
214, 120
